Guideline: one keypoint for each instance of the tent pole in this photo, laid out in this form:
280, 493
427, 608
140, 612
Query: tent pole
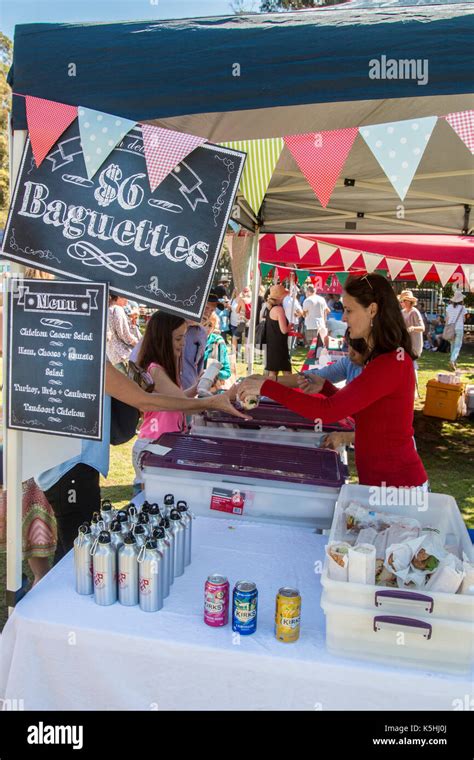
255, 291
13, 439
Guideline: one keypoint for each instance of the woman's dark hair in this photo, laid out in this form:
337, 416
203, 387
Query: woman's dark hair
113, 296
157, 344
389, 331
359, 345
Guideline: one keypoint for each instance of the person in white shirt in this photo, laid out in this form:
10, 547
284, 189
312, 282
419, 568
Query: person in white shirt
455, 314
315, 311
293, 312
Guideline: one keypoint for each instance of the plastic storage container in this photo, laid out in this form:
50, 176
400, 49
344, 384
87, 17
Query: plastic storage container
443, 400
422, 629
301, 487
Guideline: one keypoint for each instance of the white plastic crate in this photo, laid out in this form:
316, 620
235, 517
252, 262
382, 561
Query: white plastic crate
272, 501
352, 608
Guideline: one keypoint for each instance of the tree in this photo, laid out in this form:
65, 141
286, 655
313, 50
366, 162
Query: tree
270, 6
5, 105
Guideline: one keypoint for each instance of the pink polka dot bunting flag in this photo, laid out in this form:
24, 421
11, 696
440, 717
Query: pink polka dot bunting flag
47, 120
463, 124
321, 156
398, 147
100, 133
165, 149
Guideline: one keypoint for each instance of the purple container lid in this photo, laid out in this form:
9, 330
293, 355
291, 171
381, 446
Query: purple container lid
275, 415
291, 464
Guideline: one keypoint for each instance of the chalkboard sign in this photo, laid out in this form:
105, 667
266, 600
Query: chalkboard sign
56, 357
158, 248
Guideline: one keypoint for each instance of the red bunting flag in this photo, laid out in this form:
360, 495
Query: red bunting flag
47, 120
165, 149
321, 156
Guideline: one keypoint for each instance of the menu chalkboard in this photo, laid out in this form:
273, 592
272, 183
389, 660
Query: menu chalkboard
158, 248
56, 357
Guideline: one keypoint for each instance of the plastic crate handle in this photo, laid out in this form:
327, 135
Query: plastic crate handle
404, 622
406, 596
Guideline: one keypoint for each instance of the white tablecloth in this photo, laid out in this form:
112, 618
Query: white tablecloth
61, 651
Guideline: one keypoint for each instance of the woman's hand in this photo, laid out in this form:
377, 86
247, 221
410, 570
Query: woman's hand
310, 383
250, 387
222, 402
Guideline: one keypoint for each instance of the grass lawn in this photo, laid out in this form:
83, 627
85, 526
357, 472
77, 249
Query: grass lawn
445, 448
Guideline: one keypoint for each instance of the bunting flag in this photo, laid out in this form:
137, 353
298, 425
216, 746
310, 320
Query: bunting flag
349, 257
303, 245
164, 150
266, 269
463, 124
398, 147
329, 280
47, 120
395, 266
301, 275
468, 277
342, 277
445, 272
281, 240
371, 261
325, 251
283, 273
420, 269
321, 156
100, 133
262, 157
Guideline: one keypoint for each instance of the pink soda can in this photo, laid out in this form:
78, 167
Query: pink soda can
216, 601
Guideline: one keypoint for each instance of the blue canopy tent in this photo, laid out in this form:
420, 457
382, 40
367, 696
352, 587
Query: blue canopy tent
268, 75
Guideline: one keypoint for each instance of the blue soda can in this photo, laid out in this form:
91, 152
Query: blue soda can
244, 608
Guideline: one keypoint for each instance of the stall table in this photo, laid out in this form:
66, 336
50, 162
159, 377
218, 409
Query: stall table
61, 651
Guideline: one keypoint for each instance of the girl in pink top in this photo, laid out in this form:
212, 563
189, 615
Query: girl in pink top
160, 355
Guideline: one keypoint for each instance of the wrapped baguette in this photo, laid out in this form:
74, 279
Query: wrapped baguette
338, 560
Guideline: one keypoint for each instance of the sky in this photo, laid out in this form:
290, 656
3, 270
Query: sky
36, 11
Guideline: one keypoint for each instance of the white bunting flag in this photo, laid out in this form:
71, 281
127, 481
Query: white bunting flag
468, 277
325, 251
371, 261
349, 257
303, 245
421, 269
445, 272
395, 266
281, 240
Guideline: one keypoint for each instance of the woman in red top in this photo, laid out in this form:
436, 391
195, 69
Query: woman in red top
380, 399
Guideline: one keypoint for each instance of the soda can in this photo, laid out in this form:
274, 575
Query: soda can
178, 530
83, 561
104, 567
216, 601
107, 513
288, 615
116, 535
128, 571
165, 523
187, 517
164, 546
244, 608
150, 577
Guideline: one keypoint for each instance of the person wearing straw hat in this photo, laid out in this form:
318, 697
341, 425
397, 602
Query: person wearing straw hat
276, 330
454, 327
413, 320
